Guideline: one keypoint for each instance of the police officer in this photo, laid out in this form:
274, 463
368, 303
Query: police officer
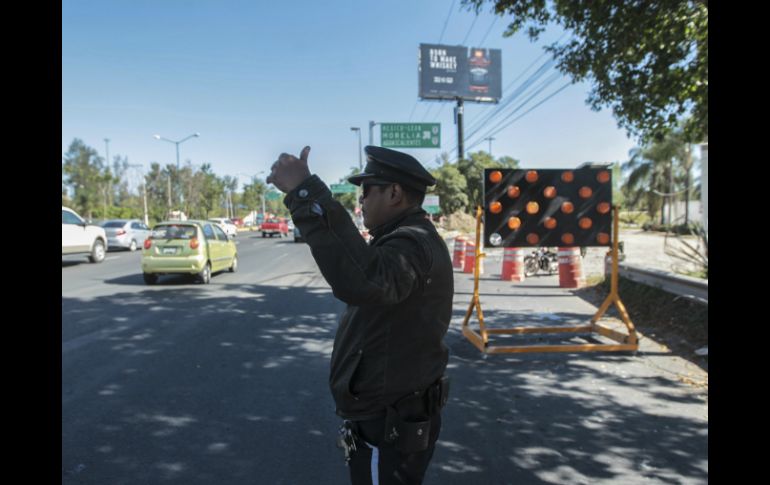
387, 366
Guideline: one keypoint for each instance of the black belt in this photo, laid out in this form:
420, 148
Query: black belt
425, 403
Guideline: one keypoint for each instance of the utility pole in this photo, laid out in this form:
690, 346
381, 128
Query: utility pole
459, 123
144, 191
489, 138
169, 191
107, 160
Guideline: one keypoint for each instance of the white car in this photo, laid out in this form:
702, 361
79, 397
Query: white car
228, 226
79, 237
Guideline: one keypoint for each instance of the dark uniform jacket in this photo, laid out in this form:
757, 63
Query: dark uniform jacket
399, 290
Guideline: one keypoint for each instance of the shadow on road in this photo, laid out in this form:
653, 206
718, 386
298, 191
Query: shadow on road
195, 388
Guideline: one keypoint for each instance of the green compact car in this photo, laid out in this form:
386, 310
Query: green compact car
197, 248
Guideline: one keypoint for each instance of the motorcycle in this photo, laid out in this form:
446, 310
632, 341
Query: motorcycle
541, 259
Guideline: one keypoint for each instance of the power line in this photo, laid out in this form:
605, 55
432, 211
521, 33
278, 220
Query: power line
469, 30
446, 21
414, 108
538, 89
477, 124
481, 44
430, 108
565, 86
481, 122
532, 78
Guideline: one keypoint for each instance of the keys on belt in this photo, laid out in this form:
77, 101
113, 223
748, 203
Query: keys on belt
346, 440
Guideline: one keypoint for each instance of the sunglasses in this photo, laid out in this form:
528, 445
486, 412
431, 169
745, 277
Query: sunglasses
365, 187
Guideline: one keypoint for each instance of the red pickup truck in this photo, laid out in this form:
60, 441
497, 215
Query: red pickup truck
275, 226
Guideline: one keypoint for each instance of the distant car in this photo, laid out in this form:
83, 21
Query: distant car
126, 233
197, 248
79, 237
275, 225
230, 228
238, 221
297, 235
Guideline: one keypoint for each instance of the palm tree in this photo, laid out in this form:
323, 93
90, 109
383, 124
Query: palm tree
655, 172
644, 176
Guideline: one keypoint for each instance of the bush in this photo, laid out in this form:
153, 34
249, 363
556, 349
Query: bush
462, 222
680, 229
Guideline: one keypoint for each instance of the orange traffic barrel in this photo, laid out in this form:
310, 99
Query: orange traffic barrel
470, 259
513, 264
458, 257
571, 268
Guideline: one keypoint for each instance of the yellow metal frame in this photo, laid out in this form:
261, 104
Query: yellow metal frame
481, 339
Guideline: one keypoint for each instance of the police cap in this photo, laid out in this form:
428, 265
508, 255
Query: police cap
392, 166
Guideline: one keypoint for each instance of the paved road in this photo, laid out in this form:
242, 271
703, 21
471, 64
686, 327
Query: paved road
226, 383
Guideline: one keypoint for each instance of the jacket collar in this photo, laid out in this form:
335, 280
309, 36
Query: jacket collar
413, 213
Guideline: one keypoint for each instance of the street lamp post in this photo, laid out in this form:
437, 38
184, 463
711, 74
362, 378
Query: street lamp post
360, 163
371, 132
177, 143
360, 166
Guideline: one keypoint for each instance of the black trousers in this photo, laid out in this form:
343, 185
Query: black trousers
378, 463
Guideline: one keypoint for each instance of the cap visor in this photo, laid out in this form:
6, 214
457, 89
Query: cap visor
357, 179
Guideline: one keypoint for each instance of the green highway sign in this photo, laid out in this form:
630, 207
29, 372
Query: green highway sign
410, 135
431, 204
343, 188
272, 195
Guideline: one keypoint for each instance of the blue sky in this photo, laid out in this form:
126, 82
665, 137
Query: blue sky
258, 78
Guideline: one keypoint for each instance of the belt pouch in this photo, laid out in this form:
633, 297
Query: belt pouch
406, 435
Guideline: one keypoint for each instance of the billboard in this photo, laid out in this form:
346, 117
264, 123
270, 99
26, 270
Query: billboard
449, 72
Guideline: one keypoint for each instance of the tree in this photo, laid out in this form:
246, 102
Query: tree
253, 193
648, 61
451, 187
83, 171
229, 184
348, 201
156, 183
473, 169
645, 175
212, 190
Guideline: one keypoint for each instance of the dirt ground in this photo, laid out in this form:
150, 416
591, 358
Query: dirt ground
681, 326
